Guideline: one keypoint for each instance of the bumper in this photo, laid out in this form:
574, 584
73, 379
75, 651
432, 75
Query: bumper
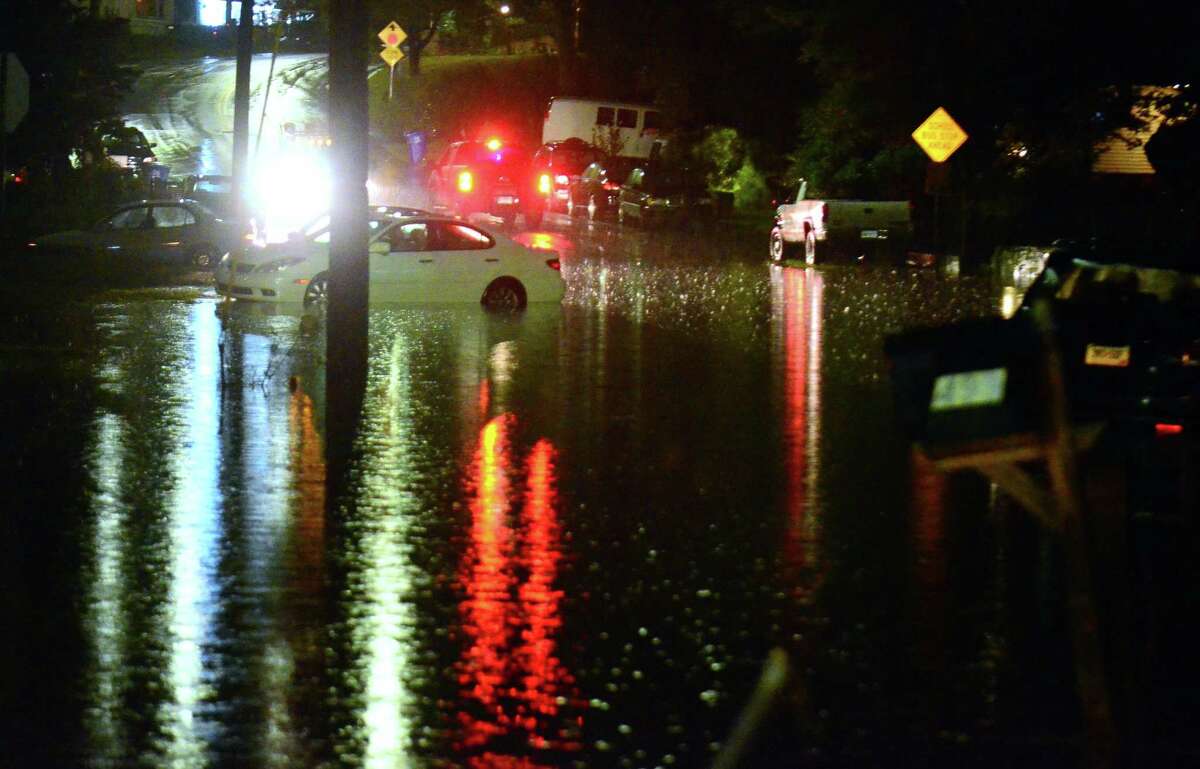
259, 288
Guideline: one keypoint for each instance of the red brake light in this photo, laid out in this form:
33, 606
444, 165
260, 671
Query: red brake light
465, 181
611, 186
544, 184
554, 264
1166, 428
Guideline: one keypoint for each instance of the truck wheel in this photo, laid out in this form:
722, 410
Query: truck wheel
810, 247
780, 249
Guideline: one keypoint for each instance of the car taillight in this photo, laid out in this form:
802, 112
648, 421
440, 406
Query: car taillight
544, 184
465, 181
554, 264
562, 179
611, 186
1167, 428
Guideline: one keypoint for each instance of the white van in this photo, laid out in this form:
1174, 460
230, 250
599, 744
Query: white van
632, 130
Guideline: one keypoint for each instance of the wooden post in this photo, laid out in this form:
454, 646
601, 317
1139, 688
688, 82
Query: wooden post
346, 321
241, 110
1101, 741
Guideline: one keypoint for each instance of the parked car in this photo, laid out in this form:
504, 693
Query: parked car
215, 192
179, 232
422, 259
128, 149
492, 177
557, 166
595, 192
654, 195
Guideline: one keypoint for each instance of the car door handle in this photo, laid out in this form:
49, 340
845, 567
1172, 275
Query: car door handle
491, 259
425, 261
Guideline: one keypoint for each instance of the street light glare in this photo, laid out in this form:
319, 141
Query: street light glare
505, 9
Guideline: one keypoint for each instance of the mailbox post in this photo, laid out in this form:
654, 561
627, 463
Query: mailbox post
989, 396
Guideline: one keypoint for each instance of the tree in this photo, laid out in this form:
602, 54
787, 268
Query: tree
73, 88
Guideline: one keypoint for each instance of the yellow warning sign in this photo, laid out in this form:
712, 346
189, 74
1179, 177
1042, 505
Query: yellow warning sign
392, 35
939, 135
391, 55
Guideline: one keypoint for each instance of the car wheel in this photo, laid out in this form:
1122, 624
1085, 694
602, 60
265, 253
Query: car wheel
504, 294
317, 293
593, 209
810, 247
201, 256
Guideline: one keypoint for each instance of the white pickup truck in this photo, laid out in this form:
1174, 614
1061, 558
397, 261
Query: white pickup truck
848, 228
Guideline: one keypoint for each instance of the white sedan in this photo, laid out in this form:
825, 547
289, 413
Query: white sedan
422, 258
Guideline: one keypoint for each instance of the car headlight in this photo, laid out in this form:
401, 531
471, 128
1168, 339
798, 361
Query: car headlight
278, 265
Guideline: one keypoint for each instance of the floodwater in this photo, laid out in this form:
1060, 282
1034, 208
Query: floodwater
576, 534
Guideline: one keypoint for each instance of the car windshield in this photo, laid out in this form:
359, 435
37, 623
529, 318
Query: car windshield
318, 231
504, 156
573, 159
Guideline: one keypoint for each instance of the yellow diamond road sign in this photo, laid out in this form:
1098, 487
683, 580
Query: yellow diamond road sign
392, 35
391, 55
939, 135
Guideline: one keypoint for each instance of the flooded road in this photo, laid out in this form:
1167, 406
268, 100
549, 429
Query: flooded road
577, 533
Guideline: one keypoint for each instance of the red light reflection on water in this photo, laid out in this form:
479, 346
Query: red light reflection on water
510, 675
802, 303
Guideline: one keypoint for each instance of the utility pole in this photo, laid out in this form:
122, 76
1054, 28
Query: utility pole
346, 319
241, 109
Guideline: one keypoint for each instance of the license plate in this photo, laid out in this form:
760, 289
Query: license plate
505, 200
874, 234
1102, 355
968, 389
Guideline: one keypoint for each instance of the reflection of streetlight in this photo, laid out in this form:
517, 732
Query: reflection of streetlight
504, 9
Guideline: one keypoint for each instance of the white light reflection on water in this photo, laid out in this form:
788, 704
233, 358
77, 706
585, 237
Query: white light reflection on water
195, 534
103, 614
383, 628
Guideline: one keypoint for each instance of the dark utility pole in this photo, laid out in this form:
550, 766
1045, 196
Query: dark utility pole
346, 319
241, 109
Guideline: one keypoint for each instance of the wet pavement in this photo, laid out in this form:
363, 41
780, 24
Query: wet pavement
577, 532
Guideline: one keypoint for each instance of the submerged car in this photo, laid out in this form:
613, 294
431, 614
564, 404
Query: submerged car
413, 258
175, 232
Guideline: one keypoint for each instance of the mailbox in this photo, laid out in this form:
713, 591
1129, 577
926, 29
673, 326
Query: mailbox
968, 382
